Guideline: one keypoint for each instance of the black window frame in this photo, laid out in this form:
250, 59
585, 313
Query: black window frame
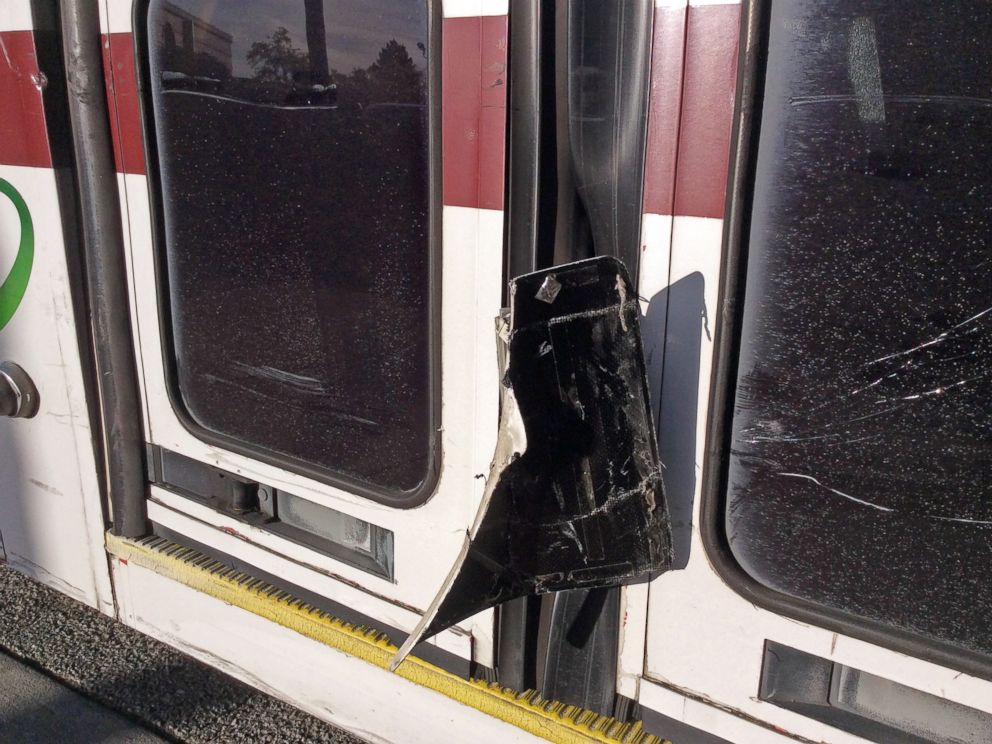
393, 498
755, 18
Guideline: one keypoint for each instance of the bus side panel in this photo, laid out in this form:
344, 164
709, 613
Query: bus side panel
51, 520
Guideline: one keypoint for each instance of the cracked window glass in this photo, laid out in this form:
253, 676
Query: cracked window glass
295, 199
860, 475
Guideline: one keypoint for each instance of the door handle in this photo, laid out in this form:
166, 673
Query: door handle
18, 395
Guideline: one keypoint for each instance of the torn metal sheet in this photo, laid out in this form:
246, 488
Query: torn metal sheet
574, 498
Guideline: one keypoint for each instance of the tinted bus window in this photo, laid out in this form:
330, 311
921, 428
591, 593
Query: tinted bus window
294, 165
861, 467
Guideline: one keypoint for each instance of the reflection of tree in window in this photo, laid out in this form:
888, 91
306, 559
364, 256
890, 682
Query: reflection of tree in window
275, 60
394, 76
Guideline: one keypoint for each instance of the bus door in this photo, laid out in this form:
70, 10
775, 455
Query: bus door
314, 213
314, 197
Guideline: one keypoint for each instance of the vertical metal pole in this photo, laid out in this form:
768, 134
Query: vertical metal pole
516, 655
106, 277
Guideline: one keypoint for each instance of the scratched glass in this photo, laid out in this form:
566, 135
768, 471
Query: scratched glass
860, 475
295, 200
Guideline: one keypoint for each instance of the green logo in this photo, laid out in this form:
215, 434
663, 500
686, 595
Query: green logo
13, 287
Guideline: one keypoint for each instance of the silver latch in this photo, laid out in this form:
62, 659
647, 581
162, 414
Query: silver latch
18, 395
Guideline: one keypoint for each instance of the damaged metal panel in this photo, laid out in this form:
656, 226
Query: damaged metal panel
575, 499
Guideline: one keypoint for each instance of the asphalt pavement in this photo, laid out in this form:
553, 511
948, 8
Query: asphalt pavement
70, 675
36, 708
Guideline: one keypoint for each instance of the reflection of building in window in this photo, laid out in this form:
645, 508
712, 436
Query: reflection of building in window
193, 45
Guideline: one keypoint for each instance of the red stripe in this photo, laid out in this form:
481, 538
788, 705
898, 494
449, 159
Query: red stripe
710, 82
23, 136
473, 110
122, 98
664, 109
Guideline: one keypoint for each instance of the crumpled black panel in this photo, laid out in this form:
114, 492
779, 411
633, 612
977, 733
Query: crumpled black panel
583, 506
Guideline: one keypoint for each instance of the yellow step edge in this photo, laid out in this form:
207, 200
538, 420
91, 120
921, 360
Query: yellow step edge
547, 719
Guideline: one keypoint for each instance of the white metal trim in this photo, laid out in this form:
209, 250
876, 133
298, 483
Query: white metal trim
474, 8
15, 15
340, 689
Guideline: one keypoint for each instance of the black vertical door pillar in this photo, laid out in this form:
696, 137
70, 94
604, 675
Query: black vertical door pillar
575, 162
